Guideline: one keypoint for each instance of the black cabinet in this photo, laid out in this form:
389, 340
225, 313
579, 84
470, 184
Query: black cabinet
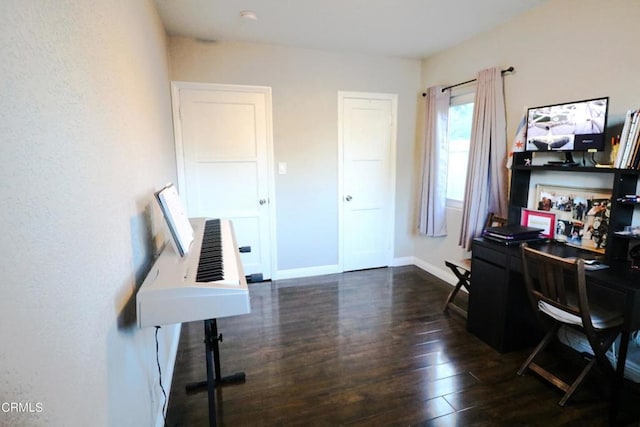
500, 313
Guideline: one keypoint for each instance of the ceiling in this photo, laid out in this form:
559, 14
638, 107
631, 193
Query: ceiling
405, 28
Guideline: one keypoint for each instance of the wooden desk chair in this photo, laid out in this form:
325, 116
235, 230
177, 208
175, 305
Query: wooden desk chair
462, 270
557, 290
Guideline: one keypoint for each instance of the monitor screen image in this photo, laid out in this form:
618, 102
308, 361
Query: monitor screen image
572, 126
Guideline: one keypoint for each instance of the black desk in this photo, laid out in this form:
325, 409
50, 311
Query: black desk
500, 313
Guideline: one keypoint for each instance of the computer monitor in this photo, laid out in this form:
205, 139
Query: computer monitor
568, 127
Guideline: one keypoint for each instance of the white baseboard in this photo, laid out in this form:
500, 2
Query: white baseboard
436, 271
296, 273
399, 262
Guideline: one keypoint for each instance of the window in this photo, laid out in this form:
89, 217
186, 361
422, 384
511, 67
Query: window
458, 136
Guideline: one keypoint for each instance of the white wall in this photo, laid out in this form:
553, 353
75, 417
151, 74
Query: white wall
563, 50
305, 86
86, 139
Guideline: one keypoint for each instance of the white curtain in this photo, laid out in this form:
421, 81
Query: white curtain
433, 197
486, 186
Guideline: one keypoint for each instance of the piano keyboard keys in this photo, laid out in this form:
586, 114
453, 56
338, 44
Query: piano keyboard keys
210, 265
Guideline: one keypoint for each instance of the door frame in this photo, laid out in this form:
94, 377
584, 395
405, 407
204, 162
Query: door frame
342, 95
176, 86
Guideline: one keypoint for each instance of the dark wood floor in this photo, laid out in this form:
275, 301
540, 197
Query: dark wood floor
369, 348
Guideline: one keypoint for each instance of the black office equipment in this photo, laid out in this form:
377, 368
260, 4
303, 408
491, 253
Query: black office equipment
513, 234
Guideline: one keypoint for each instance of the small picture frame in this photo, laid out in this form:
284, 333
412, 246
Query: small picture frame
539, 219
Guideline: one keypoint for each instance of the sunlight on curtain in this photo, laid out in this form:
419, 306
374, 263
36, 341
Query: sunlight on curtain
433, 197
486, 187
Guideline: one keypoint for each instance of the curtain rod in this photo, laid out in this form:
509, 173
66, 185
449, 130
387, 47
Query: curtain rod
508, 70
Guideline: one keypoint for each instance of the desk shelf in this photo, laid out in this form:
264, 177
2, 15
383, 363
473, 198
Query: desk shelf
569, 168
625, 181
626, 236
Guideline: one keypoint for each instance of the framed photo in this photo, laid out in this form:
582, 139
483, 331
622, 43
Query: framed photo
539, 219
582, 214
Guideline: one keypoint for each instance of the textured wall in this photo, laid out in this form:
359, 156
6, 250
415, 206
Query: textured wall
86, 138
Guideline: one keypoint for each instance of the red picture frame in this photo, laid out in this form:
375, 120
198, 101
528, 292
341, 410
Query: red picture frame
539, 219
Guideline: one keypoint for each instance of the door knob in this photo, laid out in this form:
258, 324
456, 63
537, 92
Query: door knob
262, 201
348, 198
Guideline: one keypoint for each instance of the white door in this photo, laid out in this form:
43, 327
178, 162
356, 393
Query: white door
223, 149
367, 136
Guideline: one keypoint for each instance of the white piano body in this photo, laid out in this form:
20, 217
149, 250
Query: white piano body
170, 293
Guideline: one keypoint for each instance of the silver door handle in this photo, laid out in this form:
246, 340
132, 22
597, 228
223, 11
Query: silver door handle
348, 198
262, 201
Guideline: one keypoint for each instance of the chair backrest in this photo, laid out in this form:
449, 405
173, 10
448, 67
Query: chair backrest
557, 281
494, 220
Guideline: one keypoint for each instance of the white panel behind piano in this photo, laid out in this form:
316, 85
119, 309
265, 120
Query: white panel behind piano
215, 117
239, 193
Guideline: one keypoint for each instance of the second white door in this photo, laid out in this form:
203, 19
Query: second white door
367, 139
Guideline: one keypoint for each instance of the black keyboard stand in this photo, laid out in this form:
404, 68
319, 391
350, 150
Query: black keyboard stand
214, 378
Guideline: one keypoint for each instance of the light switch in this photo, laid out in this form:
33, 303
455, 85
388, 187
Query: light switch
282, 168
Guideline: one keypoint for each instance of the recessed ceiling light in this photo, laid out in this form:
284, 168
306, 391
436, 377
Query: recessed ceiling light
249, 14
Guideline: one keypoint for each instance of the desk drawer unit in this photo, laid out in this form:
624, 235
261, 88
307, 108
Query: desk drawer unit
499, 310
